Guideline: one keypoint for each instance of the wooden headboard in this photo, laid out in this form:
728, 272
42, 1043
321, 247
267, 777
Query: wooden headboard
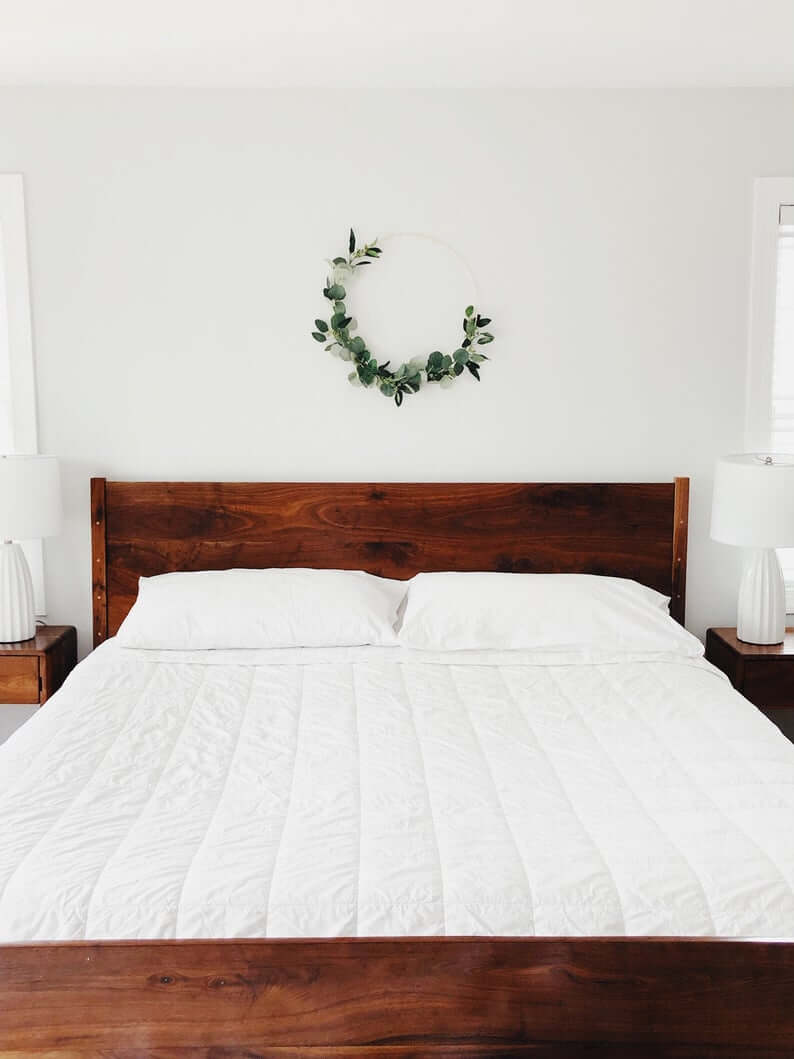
395, 530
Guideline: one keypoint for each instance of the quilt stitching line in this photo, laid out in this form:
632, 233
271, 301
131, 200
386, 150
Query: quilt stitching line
595, 847
358, 800
490, 771
298, 719
72, 706
723, 812
673, 845
420, 748
744, 762
221, 795
85, 785
146, 804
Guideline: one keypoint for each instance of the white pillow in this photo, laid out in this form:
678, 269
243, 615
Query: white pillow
557, 612
262, 608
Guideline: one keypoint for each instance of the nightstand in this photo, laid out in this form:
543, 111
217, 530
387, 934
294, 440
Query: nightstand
763, 674
32, 670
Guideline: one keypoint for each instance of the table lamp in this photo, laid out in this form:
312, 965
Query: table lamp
753, 507
30, 506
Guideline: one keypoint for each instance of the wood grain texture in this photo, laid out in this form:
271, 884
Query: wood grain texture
32, 670
757, 650
45, 638
19, 679
680, 544
98, 562
427, 996
394, 530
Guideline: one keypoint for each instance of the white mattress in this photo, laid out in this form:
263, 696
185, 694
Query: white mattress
365, 792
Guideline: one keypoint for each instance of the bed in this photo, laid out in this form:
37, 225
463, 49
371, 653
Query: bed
495, 854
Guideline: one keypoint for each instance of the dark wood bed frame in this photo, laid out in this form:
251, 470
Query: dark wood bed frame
393, 997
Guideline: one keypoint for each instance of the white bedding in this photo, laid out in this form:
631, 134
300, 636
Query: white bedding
378, 791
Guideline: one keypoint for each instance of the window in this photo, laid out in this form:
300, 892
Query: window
17, 387
770, 382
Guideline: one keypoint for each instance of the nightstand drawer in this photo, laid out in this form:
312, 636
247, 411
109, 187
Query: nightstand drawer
19, 679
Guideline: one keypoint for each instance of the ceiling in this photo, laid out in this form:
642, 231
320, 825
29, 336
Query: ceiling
397, 42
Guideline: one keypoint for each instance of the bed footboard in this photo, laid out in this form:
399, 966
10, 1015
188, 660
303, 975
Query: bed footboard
399, 997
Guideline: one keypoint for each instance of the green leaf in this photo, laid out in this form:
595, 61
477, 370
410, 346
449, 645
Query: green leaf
446, 362
357, 264
340, 261
484, 340
339, 307
388, 389
478, 358
461, 356
398, 398
336, 292
434, 360
474, 370
351, 244
483, 321
458, 369
318, 336
469, 310
372, 251
321, 325
357, 345
466, 343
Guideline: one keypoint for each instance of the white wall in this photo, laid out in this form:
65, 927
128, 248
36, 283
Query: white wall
176, 243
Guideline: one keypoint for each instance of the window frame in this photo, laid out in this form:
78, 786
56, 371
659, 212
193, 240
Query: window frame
19, 324
17, 295
769, 194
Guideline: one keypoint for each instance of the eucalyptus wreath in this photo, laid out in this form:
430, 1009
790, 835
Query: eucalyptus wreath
409, 377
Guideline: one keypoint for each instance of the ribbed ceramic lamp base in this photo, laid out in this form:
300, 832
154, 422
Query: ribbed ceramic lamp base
762, 599
17, 616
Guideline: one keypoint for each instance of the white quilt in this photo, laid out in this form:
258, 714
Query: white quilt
365, 792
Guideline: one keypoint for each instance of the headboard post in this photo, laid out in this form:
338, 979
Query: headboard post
680, 535
99, 597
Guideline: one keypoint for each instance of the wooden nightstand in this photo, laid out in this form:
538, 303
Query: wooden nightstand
32, 670
764, 675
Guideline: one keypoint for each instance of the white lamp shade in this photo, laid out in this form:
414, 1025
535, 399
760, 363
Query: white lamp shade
30, 497
753, 503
